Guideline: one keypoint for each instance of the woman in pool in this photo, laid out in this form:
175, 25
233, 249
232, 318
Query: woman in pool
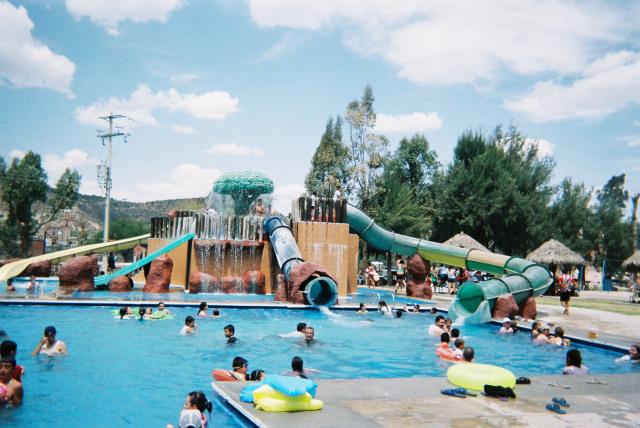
574, 364
202, 309
48, 345
559, 338
383, 308
362, 309
633, 355
193, 412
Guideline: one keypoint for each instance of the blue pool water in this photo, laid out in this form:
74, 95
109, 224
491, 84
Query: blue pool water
136, 373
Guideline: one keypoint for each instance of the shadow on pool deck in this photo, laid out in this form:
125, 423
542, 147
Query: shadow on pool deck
418, 402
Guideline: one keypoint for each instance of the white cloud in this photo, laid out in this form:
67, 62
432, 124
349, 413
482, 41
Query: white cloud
181, 129
109, 13
545, 147
17, 154
73, 159
634, 142
607, 85
285, 45
184, 181
233, 149
283, 195
408, 123
214, 105
457, 41
26, 62
184, 78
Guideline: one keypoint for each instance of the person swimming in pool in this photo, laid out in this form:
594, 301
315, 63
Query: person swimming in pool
49, 345
123, 314
202, 309
215, 313
468, 354
162, 309
437, 328
574, 364
298, 334
10, 389
190, 326
633, 355
362, 309
229, 331
309, 335
9, 349
193, 412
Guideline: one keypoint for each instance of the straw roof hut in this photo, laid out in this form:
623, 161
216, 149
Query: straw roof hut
632, 264
555, 253
463, 240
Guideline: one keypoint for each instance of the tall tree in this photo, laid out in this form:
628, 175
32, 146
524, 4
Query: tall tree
570, 217
330, 162
23, 184
634, 222
368, 150
614, 237
496, 190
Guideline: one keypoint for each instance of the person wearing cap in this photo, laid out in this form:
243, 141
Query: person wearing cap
49, 345
506, 327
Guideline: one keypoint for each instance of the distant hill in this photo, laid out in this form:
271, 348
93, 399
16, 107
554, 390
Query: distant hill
93, 207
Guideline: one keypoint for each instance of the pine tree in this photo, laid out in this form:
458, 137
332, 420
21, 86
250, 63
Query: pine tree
329, 165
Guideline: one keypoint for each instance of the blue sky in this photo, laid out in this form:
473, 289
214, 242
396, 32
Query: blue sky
223, 85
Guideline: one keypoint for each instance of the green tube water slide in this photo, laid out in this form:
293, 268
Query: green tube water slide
518, 277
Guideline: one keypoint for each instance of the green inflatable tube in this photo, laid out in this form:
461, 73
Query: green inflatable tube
518, 277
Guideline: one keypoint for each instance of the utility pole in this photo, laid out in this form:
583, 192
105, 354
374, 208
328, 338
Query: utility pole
105, 176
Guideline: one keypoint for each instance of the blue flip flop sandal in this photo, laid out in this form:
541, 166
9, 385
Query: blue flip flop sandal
555, 408
560, 401
452, 393
464, 391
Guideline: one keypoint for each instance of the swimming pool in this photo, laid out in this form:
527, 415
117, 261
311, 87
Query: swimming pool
136, 373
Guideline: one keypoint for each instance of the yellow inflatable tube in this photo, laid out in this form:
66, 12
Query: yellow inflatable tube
270, 400
476, 376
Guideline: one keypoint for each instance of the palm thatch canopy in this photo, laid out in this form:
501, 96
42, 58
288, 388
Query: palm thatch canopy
555, 253
632, 264
463, 240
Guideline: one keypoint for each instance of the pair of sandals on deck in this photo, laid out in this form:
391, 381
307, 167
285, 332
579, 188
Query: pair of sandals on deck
489, 391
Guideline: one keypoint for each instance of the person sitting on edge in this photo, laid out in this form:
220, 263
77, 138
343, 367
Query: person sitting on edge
202, 309
559, 338
229, 331
455, 333
459, 348
633, 355
298, 334
309, 334
437, 328
506, 327
215, 313
362, 309
468, 354
10, 389
9, 349
48, 345
574, 364
383, 308
190, 326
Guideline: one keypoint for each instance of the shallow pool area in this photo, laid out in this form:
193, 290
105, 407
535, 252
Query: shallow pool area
136, 373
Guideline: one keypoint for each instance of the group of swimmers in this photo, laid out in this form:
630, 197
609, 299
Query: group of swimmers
240, 371
395, 312
443, 328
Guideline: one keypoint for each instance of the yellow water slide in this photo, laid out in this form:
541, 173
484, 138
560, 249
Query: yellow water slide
13, 269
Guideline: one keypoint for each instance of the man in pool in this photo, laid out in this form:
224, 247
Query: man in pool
48, 345
239, 368
309, 334
229, 331
298, 334
468, 354
9, 349
10, 389
162, 309
437, 328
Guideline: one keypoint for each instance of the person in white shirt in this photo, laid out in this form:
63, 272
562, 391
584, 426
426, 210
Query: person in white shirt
574, 364
337, 197
437, 328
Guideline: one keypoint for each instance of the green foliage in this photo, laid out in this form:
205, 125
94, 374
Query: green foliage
571, 221
614, 237
495, 190
244, 187
329, 165
122, 229
23, 184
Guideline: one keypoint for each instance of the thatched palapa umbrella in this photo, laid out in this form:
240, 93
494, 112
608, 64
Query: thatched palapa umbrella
555, 253
632, 264
463, 240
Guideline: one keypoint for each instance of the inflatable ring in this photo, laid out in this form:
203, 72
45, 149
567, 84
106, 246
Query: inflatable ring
476, 376
223, 376
268, 399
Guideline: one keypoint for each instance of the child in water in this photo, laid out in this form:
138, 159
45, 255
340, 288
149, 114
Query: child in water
190, 326
229, 331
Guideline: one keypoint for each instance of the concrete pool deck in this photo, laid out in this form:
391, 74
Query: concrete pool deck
418, 402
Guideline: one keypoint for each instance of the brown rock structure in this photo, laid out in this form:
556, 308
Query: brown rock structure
528, 309
232, 285
418, 281
159, 276
121, 284
78, 273
299, 277
505, 307
203, 282
254, 282
280, 293
42, 268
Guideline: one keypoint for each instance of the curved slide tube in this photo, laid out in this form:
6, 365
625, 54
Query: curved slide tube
520, 278
105, 279
16, 268
321, 290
